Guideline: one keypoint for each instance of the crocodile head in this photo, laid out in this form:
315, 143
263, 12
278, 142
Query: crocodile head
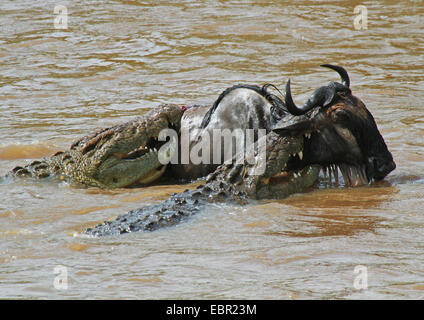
339, 134
126, 154
280, 179
265, 173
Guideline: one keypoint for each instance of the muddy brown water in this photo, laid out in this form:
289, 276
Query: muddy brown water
116, 59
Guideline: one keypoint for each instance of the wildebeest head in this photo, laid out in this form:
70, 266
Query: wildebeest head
340, 133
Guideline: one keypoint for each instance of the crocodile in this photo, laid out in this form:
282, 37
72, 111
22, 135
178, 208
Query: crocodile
332, 131
115, 157
230, 183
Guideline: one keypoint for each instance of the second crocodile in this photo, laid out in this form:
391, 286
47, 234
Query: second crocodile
235, 183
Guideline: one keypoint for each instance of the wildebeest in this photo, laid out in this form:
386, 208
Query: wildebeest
339, 132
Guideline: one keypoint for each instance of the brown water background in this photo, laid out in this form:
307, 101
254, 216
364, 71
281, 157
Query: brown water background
116, 59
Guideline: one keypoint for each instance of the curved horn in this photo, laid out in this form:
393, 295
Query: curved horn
320, 97
341, 71
291, 106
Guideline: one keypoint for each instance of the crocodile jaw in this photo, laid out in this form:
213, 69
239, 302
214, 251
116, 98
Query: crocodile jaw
152, 176
278, 181
286, 183
127, 154
139, 167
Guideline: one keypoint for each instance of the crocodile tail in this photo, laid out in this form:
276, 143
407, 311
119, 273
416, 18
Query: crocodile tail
168, 213
221, 186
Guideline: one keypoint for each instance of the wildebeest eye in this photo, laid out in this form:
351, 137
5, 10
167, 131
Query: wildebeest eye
340, 115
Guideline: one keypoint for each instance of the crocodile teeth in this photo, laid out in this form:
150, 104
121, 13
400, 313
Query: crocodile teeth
300, 154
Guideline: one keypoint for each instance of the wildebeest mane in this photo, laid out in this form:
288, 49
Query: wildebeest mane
276, 103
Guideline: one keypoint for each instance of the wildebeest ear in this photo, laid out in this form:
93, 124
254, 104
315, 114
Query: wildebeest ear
295, 129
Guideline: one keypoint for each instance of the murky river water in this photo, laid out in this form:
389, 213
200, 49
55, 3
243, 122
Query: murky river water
116, 59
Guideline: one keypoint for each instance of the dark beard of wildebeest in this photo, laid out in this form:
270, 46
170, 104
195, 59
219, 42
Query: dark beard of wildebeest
332, 130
